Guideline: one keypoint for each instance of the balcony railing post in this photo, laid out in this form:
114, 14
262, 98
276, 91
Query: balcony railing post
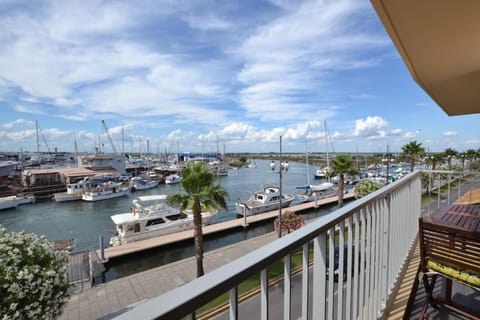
341, 271
319, 256
264, 294
386, 217
233, 301
305, 280
287, 288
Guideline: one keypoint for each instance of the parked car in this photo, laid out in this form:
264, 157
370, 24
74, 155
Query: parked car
336, 261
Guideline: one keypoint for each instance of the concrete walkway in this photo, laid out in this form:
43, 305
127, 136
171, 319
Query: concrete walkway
107, 300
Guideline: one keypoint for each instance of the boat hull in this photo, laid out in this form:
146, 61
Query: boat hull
148, 185
64, 196
100, 196
8, 202
250, 209
160, 230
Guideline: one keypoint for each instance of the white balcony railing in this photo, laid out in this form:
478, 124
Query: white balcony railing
377, 233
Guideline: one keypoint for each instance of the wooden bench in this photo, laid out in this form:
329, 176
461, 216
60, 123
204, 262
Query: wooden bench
451, 253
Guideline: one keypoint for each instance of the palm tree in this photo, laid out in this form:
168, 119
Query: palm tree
472, 154
412, 151
449, 153
343, 164
463, 156
201, 195
434, 159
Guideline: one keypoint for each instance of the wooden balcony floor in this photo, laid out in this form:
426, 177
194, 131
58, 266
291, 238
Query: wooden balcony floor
461, 294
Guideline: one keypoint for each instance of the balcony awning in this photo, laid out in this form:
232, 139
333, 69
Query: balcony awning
439, 41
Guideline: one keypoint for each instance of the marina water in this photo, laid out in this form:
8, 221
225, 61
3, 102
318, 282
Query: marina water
86, 221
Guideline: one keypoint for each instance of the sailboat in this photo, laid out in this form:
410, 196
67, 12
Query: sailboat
314, 191
323, 173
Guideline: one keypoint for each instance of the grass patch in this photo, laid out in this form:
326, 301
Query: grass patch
275, 271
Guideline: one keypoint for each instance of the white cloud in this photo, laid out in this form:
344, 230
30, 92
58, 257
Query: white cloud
450, 133
292, 56
17, 123
370, 126
29, 109
411, 134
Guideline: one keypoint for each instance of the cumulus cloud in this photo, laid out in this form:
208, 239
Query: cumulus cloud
449, 133
411, 134
29, 109
371, 126
17, 123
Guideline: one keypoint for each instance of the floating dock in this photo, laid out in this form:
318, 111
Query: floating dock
138, 246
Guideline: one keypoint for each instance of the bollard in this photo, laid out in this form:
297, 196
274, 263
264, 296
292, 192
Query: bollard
245, 223
103, 259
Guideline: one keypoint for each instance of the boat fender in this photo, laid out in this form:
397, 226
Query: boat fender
133, 189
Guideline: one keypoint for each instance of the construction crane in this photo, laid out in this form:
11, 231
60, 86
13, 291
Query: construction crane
109, 137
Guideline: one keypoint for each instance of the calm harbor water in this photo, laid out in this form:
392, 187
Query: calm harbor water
86, 221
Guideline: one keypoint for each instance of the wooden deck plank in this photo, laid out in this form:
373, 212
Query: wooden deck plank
471, 197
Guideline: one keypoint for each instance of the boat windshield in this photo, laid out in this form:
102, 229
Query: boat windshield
155, 222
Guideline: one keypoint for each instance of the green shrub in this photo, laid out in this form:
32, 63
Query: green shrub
366, 187
33, 277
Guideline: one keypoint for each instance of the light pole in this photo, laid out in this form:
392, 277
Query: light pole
280, 188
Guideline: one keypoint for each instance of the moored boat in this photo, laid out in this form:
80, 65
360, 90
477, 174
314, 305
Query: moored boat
151, 217
321, 174
138, 184
265, 200
316, 192
25, 199
74, 192
105, 191
321, 187
173, 179
8, 202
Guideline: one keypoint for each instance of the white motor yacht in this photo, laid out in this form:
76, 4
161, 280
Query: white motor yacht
74, 192
151, 217
138, 184
8, 202
265, 200
104, 191
173, 179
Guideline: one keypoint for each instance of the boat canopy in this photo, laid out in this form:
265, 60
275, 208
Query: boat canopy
122, 218
156, 197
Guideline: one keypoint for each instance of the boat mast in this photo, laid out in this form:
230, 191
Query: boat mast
76, 150
38, 142
280, 189
123, 141
306, 160
326, 143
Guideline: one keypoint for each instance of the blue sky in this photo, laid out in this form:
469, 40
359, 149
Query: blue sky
191, 75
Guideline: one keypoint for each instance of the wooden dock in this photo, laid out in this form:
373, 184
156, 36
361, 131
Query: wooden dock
134, 247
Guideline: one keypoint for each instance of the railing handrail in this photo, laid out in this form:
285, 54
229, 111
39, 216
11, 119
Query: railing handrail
202, 290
